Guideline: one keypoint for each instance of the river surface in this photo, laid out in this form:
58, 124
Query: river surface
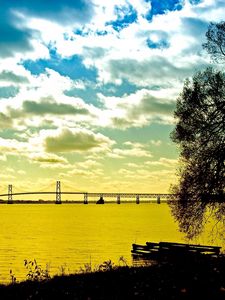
69, 235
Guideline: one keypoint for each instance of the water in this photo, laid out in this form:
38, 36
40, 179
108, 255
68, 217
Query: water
72, 235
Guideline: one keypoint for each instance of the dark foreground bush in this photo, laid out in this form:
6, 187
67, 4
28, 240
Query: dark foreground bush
189, 279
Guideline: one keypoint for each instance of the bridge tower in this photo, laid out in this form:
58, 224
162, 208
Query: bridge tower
158, 199
118, 199
10, 199
85, 198
137, 199
58, 193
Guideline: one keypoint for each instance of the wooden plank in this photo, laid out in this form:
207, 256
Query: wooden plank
140, 247
174, 248
189, 245
152, 245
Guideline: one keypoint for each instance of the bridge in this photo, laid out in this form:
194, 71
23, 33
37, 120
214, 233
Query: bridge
132, 197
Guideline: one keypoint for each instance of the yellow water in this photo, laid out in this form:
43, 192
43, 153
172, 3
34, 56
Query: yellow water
71, 235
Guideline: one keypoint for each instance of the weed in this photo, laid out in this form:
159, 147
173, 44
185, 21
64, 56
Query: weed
107, 265
63, 269
35, 272
12, 277
87, 268
122, 261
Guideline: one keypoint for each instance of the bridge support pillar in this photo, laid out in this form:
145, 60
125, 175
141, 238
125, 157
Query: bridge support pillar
85, 198
158, 199
118, 199
58, 193
10, 199
137, 199
101, 200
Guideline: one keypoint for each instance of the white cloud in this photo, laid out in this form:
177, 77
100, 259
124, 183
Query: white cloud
12, 146
88, 164
107, 52
130, 150
164, 162
48, 158
3, 157
71, 140
156, 143
132, 165
21, 172
90, 174
6, 176
137, 109
129, 42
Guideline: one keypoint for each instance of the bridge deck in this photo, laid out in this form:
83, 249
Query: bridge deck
124, 195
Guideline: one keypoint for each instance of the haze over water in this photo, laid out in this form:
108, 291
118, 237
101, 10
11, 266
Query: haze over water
72, 235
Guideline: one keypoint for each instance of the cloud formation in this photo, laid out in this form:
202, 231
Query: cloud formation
5, 122
9, 76
47, 106
8, 91
139, 109
130, 150
88, 88
70, 140
17, 37
49, 158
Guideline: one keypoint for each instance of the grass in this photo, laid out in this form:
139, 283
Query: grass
202, 278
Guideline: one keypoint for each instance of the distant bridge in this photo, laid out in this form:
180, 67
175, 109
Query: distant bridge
58, 200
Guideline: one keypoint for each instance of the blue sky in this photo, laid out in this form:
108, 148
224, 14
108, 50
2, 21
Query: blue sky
88, 89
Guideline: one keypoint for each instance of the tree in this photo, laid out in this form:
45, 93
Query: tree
215, 44
200, 134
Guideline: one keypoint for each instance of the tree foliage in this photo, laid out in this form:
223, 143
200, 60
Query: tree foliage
192, 217
200, 134
215, 44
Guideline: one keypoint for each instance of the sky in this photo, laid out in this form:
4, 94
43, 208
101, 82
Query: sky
88, 90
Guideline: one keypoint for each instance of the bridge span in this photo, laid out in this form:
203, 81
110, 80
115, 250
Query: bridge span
137, 197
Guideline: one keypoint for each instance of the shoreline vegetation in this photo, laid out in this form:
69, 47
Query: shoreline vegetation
200, 277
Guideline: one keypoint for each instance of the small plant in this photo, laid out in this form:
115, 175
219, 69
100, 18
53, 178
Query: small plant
107, 265
12, 277
35, 272
62, 269
87, 268
122, 261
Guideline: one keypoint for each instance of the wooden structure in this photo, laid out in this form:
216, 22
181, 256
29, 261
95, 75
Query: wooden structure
169, 250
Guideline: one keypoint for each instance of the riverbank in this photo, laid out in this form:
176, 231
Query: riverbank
200, 278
